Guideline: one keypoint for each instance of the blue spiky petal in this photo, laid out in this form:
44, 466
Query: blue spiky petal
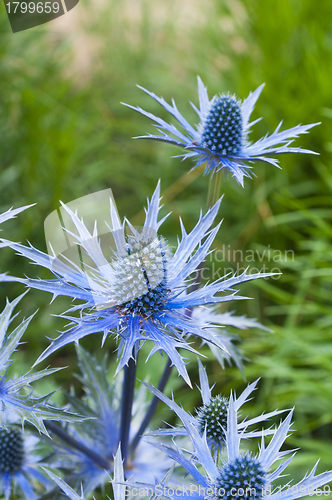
11, 213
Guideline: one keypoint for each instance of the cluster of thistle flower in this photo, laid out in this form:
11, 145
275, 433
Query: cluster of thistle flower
145, 294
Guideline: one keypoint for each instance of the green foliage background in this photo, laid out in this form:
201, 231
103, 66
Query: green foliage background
64, 134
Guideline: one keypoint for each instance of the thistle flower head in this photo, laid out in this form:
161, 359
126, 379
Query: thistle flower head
142, 291
11, 450
141, 277
19, 461
222, 129
212, 418
243, 478
220, 140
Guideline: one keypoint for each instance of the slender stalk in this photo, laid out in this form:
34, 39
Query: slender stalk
212, 198
153, 405
66, 438
214, 189
127, 403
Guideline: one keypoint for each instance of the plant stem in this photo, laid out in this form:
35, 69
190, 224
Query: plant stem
153, 405
66, 438
214, 189
127, 403
212, 198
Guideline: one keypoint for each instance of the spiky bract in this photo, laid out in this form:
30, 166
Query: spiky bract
11, 213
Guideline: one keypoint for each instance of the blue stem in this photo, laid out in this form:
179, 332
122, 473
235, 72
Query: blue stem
153, 405
127, 403
103, 462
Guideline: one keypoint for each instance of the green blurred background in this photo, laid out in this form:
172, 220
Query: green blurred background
64, 134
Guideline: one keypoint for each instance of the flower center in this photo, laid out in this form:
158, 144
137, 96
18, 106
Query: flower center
11, 450
141, 277
222, 130
213, 418
243, 478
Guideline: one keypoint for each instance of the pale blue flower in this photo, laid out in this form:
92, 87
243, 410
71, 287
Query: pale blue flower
19, 463
211, 417
14, 402
142, 291
220, 138
101, 433
238, 474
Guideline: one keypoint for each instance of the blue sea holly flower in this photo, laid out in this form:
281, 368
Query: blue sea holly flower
26, 406
211, 417
221, 137
238, 473
142, 291
102, 404
19, 463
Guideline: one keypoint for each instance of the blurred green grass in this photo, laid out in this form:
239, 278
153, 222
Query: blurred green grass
64, 134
